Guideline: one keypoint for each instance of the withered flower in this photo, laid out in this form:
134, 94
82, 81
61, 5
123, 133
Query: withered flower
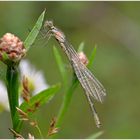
11, 48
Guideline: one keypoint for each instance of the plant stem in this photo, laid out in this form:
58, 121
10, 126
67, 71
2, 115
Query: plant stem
66, 101
12, 77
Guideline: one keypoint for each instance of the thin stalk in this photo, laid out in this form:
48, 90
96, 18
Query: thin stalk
66, 101
12, 77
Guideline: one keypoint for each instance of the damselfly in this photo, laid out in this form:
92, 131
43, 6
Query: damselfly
93, 88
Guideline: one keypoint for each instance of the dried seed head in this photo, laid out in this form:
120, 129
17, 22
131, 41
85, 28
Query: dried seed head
83, 58
53, 122
25, 91
31, 110
52, 129
11, 48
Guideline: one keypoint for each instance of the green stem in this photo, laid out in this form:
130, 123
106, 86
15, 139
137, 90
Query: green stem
66, 101
12, 88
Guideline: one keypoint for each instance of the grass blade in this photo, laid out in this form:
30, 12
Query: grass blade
34, 32
41, 98
91, 59
81, 47
61, 65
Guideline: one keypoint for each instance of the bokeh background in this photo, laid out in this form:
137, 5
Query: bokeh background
115, 28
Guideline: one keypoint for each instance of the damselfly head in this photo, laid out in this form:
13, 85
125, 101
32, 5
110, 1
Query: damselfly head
59, 35
48, 24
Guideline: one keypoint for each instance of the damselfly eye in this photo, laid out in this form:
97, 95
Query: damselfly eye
48, 24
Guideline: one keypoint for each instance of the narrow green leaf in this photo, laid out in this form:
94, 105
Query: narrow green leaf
66, 102
67, 99
41, 98
81, 47
34, 32
96, 135
91, 59
61, 65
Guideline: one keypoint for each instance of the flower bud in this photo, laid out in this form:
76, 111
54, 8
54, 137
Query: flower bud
11, 48
83, 58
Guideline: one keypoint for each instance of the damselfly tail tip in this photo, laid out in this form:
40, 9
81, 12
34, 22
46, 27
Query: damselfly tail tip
97, 121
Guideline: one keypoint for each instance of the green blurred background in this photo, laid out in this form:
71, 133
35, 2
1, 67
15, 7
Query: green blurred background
115, 28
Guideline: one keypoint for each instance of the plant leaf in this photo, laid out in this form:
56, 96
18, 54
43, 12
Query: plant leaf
81, 47
41, 98
61, 65
34, 32
67, 99
91, 59
96, 135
